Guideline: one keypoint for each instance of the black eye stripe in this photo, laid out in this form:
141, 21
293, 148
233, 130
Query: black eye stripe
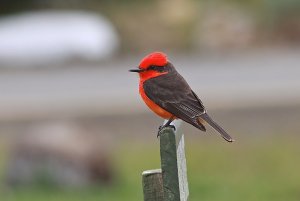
158, 68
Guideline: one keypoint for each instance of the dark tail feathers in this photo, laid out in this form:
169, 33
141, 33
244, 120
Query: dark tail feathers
218, 128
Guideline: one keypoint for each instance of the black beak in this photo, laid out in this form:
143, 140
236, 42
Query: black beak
138, 70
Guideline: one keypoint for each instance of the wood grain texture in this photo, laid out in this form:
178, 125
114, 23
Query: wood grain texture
152, 185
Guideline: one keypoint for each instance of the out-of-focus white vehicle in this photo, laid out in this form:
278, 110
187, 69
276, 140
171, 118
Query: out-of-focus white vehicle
55, 36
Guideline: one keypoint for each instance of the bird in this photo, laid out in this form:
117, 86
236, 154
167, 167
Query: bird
169, 96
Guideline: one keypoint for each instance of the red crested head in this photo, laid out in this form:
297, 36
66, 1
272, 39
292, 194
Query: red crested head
154, 59
152, 65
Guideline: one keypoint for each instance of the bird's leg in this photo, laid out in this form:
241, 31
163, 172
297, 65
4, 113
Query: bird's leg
166, 125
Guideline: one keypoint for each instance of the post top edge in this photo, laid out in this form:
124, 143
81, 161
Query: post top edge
154, 171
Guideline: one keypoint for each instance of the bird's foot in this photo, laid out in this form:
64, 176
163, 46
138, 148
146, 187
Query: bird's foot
164, 126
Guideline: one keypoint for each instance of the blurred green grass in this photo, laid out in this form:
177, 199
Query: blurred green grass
259, 168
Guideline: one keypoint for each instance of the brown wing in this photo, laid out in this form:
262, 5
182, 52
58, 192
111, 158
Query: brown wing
172, 93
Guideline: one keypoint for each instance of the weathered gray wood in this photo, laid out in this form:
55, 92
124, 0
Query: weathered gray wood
152, 185
182, 170
173, 164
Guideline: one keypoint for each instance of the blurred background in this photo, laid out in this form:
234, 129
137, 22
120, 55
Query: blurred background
73, 127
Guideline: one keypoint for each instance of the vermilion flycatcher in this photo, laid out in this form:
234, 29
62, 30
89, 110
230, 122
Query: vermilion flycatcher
167, 94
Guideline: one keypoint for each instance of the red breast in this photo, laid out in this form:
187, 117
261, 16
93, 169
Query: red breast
153, 106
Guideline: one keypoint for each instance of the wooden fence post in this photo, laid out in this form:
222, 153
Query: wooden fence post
169, 184
152, 185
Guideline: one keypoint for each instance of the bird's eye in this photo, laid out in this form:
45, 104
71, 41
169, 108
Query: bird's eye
151, 68
157, 68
